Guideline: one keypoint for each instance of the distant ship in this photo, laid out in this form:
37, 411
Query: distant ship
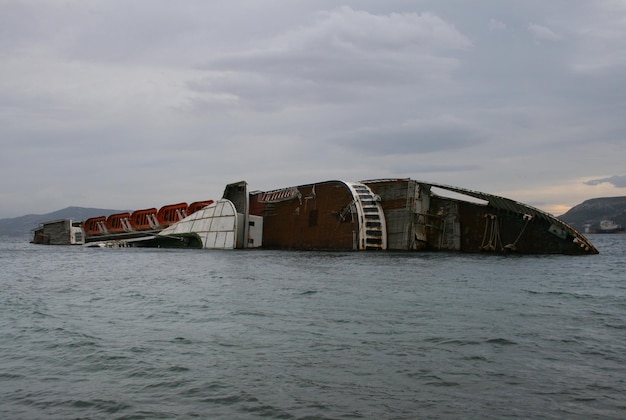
395, 214
608, 226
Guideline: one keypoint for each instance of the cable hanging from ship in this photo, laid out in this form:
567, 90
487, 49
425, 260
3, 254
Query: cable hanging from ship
513, 246
491, 235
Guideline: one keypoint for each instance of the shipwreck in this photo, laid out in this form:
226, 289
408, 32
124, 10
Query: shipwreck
398, 214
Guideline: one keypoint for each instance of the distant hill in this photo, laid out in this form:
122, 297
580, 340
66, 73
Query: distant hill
23, 225
591, 212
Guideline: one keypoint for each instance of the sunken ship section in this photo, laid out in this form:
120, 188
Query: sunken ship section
408, 215
331, 215
420, 218
398, 214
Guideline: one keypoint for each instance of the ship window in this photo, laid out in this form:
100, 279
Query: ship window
313, 218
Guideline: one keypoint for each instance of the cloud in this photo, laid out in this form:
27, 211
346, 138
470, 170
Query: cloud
130, 104
344, 55
496, 25
600, 34
542, 33
416, 137
618, 181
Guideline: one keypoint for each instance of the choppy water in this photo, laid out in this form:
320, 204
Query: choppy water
140, 333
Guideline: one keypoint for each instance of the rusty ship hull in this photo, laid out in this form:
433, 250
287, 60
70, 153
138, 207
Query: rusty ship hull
398, 214
407, 215
418, 218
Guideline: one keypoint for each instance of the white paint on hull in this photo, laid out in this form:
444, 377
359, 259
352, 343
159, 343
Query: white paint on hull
216, 226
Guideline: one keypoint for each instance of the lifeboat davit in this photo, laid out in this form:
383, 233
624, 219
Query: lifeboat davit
94, 225
172, 213
198, 205
145, 219
118, 223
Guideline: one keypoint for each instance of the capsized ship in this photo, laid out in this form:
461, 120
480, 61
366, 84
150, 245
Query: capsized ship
398, 214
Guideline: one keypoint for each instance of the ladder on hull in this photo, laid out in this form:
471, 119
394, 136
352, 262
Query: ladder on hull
372, 227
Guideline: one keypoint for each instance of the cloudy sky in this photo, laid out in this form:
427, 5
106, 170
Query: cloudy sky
139, 103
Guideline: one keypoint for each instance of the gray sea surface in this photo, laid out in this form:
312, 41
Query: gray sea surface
158, 334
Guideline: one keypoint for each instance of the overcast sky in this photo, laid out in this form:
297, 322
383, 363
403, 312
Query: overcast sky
131, 104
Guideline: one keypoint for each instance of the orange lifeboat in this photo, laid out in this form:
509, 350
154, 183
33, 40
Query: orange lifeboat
92, 226
144, 219
171, 214
197, 205
117, 223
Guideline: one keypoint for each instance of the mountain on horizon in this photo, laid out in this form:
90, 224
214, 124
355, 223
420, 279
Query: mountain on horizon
23, 225
591, 212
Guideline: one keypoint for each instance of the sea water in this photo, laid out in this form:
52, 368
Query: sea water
152, 333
